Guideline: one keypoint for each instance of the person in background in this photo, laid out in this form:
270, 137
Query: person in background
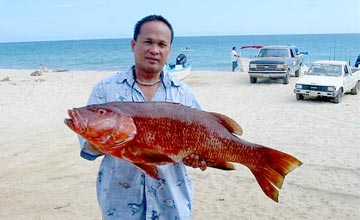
123, 191
234, 58
43, 68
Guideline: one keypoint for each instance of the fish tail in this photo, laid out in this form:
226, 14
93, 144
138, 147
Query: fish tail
271, 170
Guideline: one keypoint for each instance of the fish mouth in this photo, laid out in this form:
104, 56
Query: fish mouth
75, 122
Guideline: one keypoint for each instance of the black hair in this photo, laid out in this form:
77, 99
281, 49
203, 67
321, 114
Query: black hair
152, 18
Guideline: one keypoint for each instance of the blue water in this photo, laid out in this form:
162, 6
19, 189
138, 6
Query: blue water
210, 53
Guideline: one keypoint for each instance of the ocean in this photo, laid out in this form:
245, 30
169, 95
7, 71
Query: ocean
208, 53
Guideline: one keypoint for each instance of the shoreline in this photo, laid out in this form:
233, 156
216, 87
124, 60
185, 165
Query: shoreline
22, 71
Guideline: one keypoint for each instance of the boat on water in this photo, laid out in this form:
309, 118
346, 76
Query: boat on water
181, 69
187, 49
246, 54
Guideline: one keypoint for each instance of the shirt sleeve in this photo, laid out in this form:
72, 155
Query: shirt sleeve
191, 97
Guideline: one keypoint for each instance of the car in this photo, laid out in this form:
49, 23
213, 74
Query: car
276, 62
328, 78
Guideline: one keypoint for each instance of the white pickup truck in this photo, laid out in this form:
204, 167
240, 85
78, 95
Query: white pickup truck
328, 78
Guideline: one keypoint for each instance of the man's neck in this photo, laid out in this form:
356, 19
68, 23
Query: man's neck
146, 77
147, 82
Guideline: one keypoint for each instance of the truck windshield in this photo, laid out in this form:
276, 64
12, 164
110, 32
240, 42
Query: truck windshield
325, 70
249, 52
274, 53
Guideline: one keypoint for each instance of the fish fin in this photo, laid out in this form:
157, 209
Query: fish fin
143, 155
272, 169
153, 157
150, 170
222, 165
229, 123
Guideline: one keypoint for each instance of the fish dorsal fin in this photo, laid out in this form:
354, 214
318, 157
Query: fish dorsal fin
228, 123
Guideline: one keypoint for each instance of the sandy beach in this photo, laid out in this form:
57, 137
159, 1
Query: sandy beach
42, 176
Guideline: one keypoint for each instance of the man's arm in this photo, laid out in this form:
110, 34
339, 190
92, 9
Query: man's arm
92, 148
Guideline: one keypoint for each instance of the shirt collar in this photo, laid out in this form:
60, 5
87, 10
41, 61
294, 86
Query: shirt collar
167, 79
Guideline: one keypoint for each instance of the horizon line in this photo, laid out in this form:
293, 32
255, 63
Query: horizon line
118, 38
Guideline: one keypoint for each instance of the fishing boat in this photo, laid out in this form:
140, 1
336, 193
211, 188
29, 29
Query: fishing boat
181, 69
247, 53
187, 49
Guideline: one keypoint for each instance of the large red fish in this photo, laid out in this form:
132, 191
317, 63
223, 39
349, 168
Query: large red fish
156, 133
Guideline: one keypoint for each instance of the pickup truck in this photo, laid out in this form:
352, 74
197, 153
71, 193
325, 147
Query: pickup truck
328, 78
276, 62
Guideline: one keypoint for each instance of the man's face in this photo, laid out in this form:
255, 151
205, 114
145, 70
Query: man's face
152, 47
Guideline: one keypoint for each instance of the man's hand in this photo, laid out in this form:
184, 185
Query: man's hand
195, 162
92, 148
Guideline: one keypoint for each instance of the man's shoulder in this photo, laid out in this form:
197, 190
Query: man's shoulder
118, 77
179, 85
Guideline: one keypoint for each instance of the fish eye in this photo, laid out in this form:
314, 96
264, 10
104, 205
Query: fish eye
101, 111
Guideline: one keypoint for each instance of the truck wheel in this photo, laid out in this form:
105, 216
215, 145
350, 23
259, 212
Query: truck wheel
297, 73
355, 90
253, 79
337, 99
299, 96
286, 78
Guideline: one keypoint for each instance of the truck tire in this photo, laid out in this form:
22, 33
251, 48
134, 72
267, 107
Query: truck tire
355, 90
337, 99
299, 96
286, 77
253, 79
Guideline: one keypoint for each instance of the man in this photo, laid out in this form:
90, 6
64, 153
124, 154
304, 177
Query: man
123, 191
234, 57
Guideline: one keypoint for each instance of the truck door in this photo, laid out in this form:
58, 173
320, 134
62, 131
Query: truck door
293, 59
347, 79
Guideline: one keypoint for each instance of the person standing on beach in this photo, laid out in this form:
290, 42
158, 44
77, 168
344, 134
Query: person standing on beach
234, 57
123, 191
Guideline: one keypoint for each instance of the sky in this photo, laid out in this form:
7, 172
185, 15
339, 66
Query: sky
44, 20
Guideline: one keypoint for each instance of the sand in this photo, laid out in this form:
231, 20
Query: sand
43, 177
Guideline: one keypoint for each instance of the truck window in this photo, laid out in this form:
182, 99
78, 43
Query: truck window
346, 70
292, 53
